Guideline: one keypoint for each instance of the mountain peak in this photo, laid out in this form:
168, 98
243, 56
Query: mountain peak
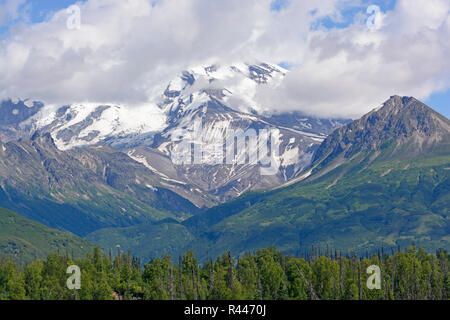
405, 121
399, 103
233, 84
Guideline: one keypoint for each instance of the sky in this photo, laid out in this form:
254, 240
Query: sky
345, 57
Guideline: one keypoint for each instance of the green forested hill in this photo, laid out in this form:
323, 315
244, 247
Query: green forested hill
145, 240
386, 205
25, 240
83, 189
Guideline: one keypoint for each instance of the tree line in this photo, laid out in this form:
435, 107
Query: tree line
266, 274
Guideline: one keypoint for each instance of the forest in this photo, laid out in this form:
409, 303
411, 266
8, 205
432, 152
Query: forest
267, 274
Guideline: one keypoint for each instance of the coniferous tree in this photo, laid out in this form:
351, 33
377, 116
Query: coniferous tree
266, 274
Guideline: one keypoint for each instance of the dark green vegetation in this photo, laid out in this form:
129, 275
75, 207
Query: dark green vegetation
25, 240
266, 274
146, 240
383, 180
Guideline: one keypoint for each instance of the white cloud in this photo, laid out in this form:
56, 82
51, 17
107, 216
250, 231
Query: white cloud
347, 72
127, 50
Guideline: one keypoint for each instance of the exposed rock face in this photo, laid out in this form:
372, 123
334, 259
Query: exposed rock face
12, 114
227, 113
411, 125
85, 189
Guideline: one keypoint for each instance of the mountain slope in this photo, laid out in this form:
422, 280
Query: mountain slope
12, 114
82, 190
25, 240
222, 97
383, 180
415, 128
146, 240
221, 100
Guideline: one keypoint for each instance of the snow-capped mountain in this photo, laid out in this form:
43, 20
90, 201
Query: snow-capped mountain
89, 123
221, 98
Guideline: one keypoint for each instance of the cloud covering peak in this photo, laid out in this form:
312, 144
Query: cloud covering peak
126, 51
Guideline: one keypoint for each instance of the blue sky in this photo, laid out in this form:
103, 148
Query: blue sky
440, 102
42, 8
349, 12
36, 11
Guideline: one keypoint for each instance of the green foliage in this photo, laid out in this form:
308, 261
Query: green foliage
24, 240
145, 240
265, 274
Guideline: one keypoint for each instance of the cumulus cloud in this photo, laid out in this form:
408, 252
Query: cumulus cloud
347, 72
126, 51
